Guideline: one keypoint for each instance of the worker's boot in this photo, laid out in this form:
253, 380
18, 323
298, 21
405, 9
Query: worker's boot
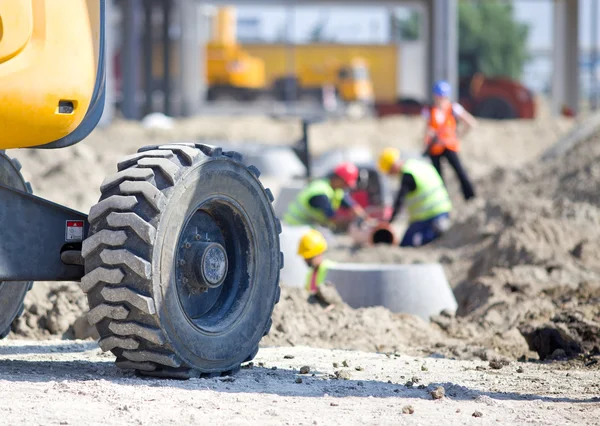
441, 225
328, 295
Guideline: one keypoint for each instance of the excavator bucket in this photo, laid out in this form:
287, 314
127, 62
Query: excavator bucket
51, 71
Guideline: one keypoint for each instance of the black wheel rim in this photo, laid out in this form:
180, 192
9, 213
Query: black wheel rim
222, 223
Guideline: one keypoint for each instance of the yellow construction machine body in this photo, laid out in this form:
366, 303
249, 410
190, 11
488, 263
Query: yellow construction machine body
50, 57
254, 69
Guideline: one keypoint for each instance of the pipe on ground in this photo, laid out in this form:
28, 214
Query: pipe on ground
365, 235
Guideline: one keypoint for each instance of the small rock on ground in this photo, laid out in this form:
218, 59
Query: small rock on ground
438, 393
497, 364
342, 374
408, 409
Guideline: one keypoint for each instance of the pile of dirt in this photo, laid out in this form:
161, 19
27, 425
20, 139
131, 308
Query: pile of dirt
515, 255
521, 257
298, 323
54, 309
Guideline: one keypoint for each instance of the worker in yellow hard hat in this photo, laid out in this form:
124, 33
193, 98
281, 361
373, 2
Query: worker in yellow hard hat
312, 248
424, 194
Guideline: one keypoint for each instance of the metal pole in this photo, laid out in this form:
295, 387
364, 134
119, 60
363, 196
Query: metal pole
290, 86
594, 59
192, 44
130, 58
148, 55
167, 6
306, 149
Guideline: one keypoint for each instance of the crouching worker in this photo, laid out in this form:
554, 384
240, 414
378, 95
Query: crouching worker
312, 248
319, 202
424, 194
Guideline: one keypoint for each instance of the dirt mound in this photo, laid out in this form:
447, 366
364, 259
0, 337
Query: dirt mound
514, 255
53, 310
296, 323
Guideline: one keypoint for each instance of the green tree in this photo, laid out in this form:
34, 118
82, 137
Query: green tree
488, 31
317, 33
406, 28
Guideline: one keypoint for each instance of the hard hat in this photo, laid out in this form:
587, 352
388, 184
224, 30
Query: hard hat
442, 88
312, 244
388, 158
348, 172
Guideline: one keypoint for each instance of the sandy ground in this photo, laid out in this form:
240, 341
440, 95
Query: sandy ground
374, 389
522, 260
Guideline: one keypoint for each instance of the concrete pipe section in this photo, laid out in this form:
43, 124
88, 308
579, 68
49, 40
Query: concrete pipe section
419, 289
294, 269
285, 196
273, 161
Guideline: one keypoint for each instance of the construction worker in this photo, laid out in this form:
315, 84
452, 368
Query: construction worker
442, 136
312, 248
424, 194
317, 204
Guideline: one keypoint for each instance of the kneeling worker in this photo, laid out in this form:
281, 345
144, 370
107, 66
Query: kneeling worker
425, 196
318, 203
312, 248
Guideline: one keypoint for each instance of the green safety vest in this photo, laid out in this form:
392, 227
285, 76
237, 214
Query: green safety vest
319, 279
300, 212
430, 198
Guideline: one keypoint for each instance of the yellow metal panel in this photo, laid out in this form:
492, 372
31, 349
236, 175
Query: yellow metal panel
224, 32
57, 63
316, 64
16, 26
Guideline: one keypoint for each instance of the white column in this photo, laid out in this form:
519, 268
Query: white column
191, 57
565, 56
443, 37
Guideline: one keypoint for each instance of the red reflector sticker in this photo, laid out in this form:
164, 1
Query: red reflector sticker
74, 230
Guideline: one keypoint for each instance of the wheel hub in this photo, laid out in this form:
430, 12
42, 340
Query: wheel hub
204, 265
211, 264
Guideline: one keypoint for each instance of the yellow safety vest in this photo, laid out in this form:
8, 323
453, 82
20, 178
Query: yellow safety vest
430, 198
300, 212
314, 280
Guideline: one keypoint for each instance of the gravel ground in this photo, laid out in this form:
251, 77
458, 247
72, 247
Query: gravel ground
72, 383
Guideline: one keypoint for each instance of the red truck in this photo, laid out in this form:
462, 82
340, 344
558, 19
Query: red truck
497, 98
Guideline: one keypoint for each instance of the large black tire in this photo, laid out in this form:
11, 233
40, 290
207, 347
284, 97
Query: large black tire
12, 294
163, 201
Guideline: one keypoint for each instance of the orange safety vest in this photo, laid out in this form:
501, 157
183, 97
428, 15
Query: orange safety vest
445, 131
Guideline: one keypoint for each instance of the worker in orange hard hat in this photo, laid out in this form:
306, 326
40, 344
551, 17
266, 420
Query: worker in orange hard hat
318, 203
442, 136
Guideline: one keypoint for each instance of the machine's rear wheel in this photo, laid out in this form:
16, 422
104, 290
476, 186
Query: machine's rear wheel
182, 261
12, 294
